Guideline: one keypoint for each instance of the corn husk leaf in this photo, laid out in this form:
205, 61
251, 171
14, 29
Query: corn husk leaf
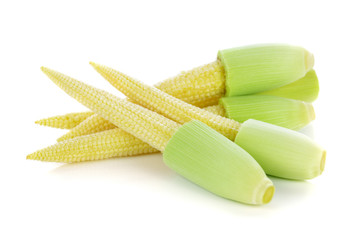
284, 112
258, 68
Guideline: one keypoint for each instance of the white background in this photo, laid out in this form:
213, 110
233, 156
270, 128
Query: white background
140, 197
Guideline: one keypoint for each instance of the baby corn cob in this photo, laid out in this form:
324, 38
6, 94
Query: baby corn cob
101, 145
171, 107
281, 165
118, 111
92, 124
96, 123
216, 109
193, 150
258, 68
283, 112
305, 89
269, 108
202, 86
66, 121
289, 113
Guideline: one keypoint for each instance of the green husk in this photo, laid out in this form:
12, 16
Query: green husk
217, 164
280, 151
304, 89
258, 68
284, 112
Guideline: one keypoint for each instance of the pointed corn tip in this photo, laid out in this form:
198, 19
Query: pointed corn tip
63, 138
32, 156
40, 122
47, 71
95, 65
44, 69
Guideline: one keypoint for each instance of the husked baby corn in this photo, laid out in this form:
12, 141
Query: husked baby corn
194, 150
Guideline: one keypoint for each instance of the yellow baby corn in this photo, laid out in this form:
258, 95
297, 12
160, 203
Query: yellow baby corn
119, 111
66, 121
289, 113
202, 86
96, 123
306, 163
216, 109
101, 145
163, 103
257, 68
305, 89
194, 150
270, 109
92, 124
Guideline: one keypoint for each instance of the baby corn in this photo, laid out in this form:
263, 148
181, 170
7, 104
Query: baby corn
194, 150
269, 108
66, 121
270, 69
96, 123
92, 124
289, 113
163, 103
101, 145
282, 165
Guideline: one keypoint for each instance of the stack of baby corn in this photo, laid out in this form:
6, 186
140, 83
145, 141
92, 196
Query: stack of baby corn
223, 126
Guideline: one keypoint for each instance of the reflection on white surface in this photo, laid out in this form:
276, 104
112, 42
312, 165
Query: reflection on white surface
149, 173
116, 168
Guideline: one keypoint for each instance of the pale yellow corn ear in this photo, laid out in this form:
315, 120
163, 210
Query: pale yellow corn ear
144, 124
265, 133
102, 145
92, 124
202, 86
163, 103
66, 121
216, 109
194, 150
96, 123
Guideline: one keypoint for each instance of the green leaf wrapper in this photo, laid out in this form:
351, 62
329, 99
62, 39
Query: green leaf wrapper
304, 89
280, 151
217, 164
258, 68
284, 112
